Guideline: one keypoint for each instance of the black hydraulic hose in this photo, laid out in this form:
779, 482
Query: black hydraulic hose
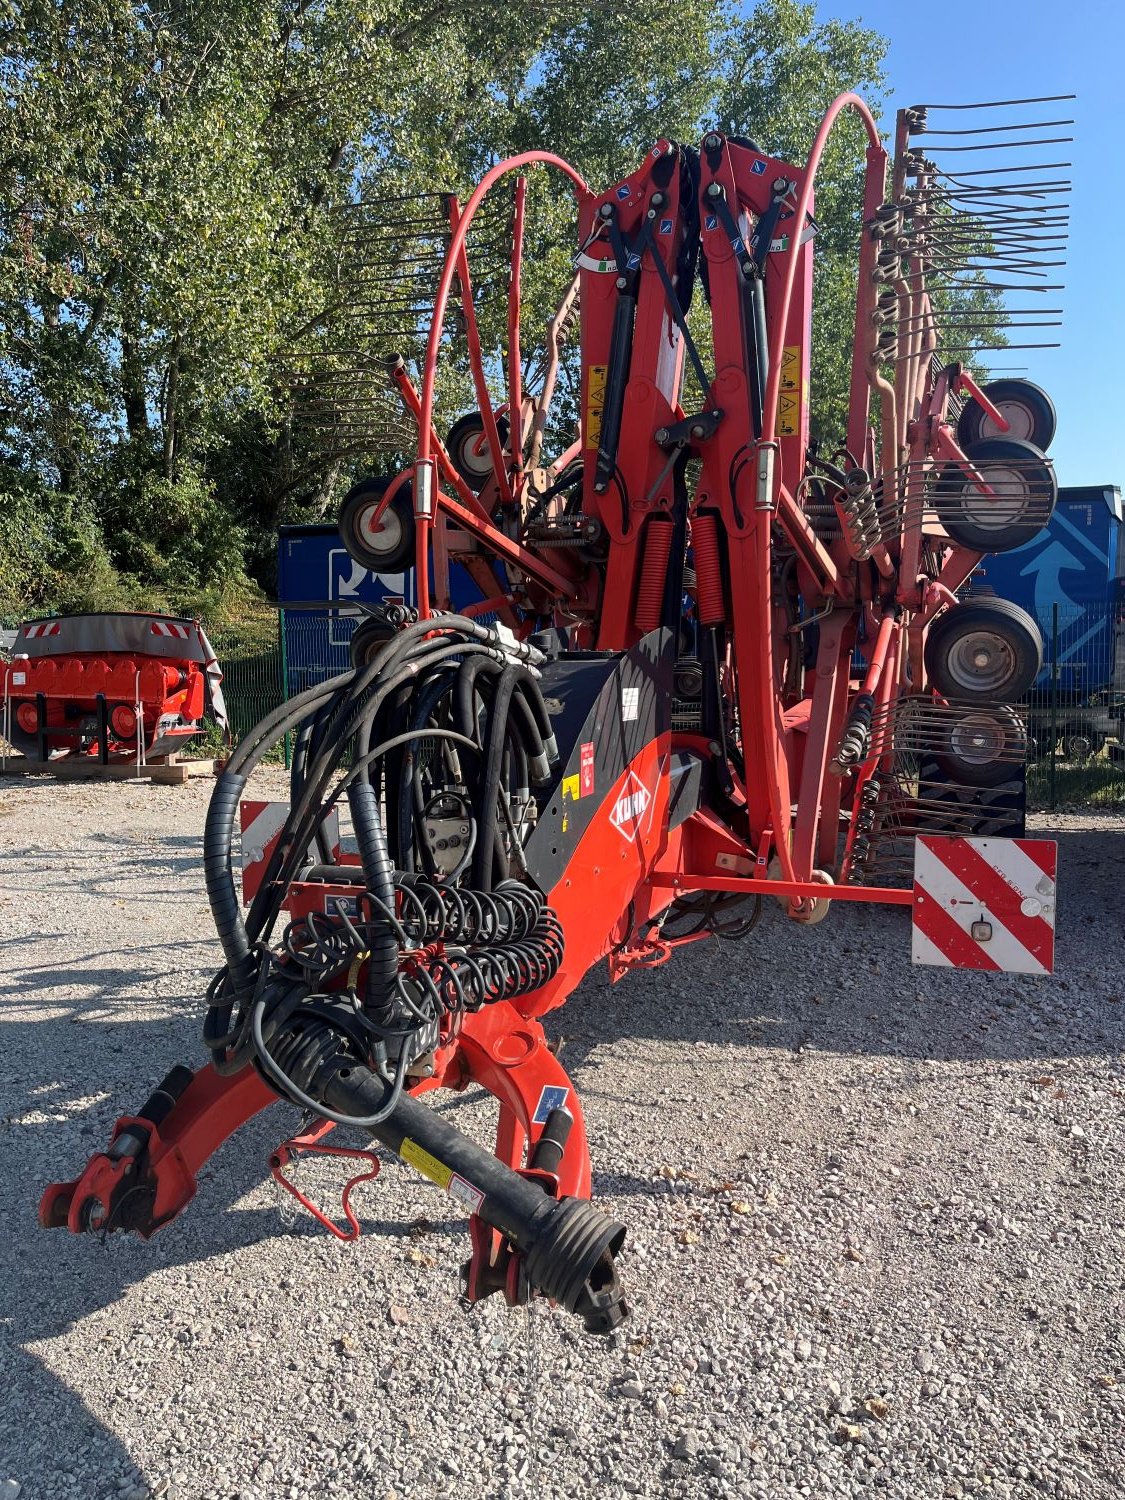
222, 815
465, 702
490, 780
218, 878
529, 734
378, 873
304, 819
427, 637
422, 705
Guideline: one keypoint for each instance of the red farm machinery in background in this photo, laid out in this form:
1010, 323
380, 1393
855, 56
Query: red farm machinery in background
109, 687
711, 663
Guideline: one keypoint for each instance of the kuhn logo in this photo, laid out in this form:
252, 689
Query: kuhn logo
630, 807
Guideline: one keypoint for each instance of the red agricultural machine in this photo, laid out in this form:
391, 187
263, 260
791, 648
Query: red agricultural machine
711, 663
110, 687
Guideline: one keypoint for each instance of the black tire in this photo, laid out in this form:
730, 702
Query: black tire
367, 638
983, 746
462, 444
1029, 410
1080, 742
984, 651
389, 550
1026, 491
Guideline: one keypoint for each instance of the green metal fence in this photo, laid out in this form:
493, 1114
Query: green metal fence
1076, 712
253, 676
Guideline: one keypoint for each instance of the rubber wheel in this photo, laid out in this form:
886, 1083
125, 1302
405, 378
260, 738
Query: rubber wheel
984, 651
468, 451
1080, 743
391, 548
1026, 491
366, 639
983, 746
1029, 411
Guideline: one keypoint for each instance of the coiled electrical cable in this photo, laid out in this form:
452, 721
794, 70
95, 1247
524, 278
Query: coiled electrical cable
445, 714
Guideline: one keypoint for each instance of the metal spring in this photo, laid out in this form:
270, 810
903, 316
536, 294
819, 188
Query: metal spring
861, 516
443, 913
484, 976
710, 605
654, 573
856, 737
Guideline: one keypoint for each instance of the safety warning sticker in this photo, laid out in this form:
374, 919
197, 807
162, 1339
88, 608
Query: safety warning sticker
465, 1193
595, 405
420, 1159
791, 367
586, 768
552, 1097
788, 415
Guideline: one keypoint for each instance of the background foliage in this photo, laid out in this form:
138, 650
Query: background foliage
173, 235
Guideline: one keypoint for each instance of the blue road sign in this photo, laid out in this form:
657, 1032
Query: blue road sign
314, 567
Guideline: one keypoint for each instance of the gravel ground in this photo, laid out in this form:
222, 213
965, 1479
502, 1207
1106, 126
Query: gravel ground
876, 1220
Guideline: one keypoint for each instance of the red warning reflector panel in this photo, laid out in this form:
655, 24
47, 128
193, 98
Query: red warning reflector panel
984, 903
262, 823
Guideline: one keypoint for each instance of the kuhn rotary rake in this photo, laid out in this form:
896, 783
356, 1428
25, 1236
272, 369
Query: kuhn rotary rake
717, 665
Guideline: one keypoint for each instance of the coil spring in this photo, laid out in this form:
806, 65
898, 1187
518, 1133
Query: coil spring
708, 570
856, 738
654, 573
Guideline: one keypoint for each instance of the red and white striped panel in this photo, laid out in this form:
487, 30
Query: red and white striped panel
262, 823
984, 903
168, 627
48, 627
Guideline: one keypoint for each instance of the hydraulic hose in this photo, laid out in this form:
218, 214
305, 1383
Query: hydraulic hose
378, 872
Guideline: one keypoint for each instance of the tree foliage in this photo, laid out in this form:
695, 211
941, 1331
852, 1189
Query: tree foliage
173, 230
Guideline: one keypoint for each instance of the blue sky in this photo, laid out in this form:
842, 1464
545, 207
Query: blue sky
997, 49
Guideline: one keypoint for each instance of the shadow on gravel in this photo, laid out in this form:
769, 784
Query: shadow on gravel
845, 987
50, 1280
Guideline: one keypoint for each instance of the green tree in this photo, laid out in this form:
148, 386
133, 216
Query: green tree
180, 247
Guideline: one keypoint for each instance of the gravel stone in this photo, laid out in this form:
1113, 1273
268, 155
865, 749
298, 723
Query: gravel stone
243, 1352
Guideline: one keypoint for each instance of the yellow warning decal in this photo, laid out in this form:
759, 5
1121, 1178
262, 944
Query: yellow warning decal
595, 405
429, 1166
788, 415
791, 367
570, 788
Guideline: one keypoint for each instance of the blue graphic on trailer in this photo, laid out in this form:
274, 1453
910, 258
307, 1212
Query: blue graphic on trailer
1071, 574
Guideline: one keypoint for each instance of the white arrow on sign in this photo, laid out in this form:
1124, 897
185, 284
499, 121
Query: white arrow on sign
1047, 567
350, 585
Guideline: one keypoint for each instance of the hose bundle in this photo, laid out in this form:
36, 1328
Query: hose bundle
445, 716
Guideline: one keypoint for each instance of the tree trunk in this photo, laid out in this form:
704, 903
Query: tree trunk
171, 401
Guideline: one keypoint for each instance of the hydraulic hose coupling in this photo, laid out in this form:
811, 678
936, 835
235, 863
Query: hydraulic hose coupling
856, 737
